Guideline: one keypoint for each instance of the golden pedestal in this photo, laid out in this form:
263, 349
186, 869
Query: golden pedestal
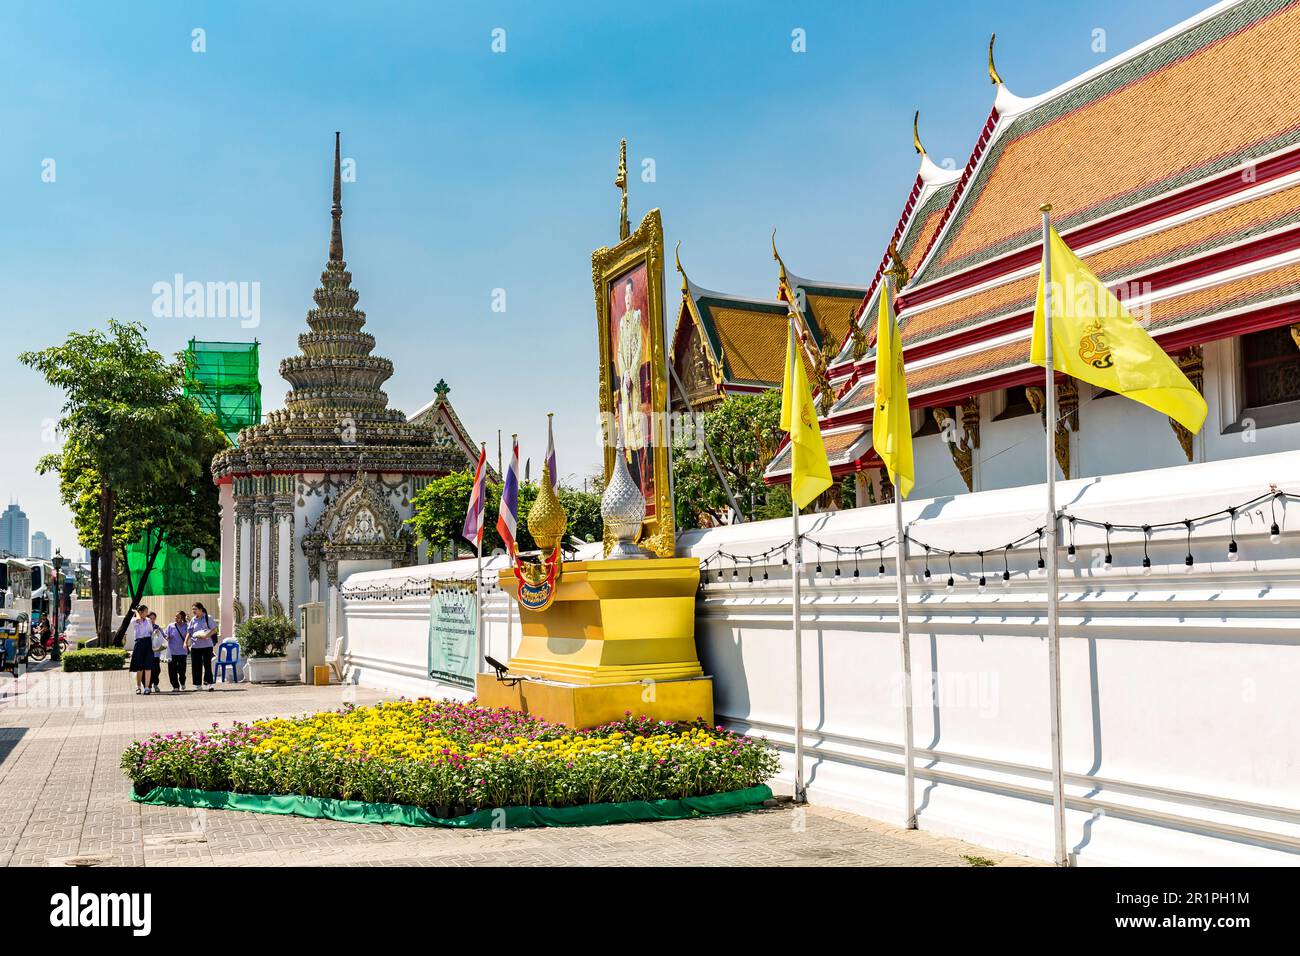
620, 636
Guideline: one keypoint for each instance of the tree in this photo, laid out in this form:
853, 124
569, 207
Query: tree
129, 433
744, 432
440, 506
185, 513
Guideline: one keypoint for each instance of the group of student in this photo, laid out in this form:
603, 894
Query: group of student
193, 638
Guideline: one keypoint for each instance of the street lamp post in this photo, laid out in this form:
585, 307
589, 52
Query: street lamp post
57, 561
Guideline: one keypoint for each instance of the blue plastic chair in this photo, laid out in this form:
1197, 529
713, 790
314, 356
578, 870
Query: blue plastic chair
227, 657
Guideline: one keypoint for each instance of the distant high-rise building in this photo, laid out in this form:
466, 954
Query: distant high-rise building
14, 531
42, 547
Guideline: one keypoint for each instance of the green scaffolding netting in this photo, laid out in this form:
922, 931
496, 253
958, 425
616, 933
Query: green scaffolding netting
174, 572
222, 377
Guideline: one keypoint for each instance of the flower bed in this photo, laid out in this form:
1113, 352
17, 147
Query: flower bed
450, 759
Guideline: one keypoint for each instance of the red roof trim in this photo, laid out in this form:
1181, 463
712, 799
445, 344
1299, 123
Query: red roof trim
1163, 207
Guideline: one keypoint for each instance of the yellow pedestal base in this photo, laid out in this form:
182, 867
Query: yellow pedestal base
612, 622
619, 636
590, 706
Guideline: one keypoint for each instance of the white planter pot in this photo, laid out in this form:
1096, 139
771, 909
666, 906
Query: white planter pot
262, 670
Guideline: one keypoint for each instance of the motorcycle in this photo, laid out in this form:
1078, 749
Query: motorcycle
39, 647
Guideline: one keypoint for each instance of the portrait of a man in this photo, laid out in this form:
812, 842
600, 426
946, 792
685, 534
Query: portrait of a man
630, 340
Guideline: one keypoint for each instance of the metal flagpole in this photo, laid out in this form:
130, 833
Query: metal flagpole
900, 560
478, 607
796, 612
1051, 529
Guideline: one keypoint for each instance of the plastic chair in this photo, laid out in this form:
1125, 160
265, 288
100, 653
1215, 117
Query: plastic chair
227, 657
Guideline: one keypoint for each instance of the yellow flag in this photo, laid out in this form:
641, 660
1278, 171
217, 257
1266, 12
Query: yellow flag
1095, 340
891, 427
810, 473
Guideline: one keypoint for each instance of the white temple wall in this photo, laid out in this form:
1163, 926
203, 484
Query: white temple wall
1179, 701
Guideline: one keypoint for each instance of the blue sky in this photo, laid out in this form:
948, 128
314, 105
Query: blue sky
475, 170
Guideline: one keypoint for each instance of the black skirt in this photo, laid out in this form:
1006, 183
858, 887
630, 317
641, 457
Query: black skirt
142, 654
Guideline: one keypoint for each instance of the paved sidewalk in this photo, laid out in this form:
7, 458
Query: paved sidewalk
63, 801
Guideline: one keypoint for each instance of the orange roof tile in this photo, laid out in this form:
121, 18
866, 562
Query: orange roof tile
753, 342
1187, 239
1199, 102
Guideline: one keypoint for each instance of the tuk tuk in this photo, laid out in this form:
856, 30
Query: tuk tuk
13, 641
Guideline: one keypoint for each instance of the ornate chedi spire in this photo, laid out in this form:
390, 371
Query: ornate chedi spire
336, 370
336, 409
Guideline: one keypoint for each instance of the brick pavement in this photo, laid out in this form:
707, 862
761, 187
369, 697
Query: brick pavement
63, 801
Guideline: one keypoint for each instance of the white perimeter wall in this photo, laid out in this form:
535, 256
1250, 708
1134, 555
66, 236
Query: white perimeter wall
1180, 691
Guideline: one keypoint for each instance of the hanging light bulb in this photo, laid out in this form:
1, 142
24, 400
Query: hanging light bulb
950, 585
1274, 533
983, 584
927, 574
1107, 564
1189, 563
1232, 550
1070, 554
1006, 579
1146, 565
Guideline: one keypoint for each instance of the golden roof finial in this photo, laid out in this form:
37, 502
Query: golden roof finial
677, 254
777, 256
897, 267
620, 182
916, 133
993, 70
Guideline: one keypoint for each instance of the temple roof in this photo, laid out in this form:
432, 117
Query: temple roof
1173, 171
449, 431
745, 338
1201, 98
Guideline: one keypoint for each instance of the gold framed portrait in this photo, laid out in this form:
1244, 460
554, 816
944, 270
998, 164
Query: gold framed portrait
629, 285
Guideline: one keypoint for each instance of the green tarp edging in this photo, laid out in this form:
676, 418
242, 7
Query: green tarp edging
358, 811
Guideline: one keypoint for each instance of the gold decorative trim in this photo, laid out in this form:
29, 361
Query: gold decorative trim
1192, 364
644, 246
961, 448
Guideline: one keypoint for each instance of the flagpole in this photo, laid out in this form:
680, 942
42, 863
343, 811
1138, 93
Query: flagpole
1051, 529
900, 561
796, 615
478, 567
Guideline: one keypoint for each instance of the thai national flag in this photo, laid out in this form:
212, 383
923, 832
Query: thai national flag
473, 530
550, 452
506, 517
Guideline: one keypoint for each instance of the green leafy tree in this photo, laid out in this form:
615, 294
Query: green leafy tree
440, 506
184, 512
744, 432
131, 438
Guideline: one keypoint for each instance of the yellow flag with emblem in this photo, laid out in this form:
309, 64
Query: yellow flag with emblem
810, 472
891, 426
1096, 340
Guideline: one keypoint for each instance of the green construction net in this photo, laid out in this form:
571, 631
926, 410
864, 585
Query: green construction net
222, 377
174, 572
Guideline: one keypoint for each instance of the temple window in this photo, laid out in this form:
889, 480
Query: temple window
1011, 403
1270, 367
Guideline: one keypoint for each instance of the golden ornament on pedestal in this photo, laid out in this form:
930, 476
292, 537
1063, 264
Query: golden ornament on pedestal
547, 518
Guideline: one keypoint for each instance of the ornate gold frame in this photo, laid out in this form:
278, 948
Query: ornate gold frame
644, 245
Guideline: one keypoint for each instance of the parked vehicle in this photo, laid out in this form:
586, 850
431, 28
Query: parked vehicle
13, 641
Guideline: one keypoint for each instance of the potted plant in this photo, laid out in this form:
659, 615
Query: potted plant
262, 644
